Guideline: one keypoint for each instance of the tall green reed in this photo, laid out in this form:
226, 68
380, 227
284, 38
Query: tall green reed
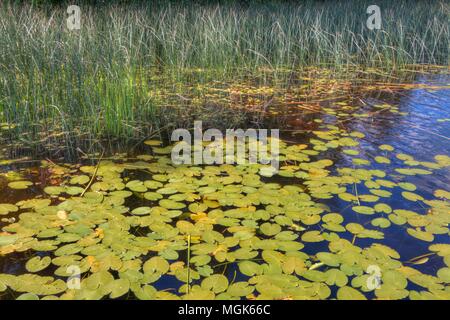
96, 82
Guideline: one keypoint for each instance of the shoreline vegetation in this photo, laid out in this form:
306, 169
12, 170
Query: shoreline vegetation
138, 70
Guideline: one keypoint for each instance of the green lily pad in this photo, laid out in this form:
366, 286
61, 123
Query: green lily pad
250, 268
312, 236
6, 208
386, 147
348, 293
141, 211
412, 196
81, 179
18, 185
363, 209
27, 296
216, 283
422, 235
119, 288
270, 229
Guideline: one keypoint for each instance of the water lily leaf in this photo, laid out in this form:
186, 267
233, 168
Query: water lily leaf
74, 190
152, 184
312, 236
442, 249
293, 264
412, 196
383, 207
37, 263
119, 287
250, 268
404, 157
286, 235
18, 185
422, 235
412, 171
170, 204
34, 203
267, 171
351, 152
442, 194
384, 183
443, 160
68, 249
407, 186
197, 207
153, 143
397, 219
381, 222
444, 275
314, 275
348, 197
394, 278
336, 277
328, 258
8, 239
81, 179
216, 283
167, 190
6, 208
165, 150
199, 294
333, 218
270, 229
121, 193
381, 193
386, 147
169, 254
99, 279
368, 198
348, 293
156, 265
54, 190
387, 251
201, 260
93, 197
363, 209
240, 289
360, 162
390, 292
141, 211
27, 296
354, 228
152, 196
136, 186
382, 160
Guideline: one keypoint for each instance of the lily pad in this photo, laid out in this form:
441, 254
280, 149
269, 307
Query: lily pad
18, 185
37, 263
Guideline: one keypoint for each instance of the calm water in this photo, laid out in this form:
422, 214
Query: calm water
419, 130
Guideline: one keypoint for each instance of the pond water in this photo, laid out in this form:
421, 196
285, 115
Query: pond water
362, 186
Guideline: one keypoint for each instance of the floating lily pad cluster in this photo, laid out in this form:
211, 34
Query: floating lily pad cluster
228, 231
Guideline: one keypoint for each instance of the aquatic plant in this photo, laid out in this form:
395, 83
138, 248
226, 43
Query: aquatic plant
229, 231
